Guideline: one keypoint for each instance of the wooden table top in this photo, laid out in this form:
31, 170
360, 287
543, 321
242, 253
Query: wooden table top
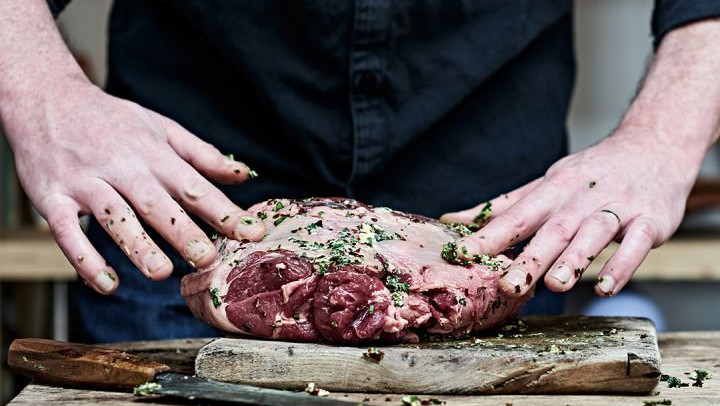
681, 353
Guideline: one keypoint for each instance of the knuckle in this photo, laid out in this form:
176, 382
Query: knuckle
646, 229
196, 189
602, 221
560, 230
513, 221
62, 227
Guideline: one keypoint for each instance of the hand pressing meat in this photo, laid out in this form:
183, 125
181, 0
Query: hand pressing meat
340, 271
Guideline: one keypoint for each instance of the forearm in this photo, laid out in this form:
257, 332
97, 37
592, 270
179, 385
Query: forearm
33, 57
679, 102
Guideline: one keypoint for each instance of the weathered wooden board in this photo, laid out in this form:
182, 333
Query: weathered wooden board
560, 355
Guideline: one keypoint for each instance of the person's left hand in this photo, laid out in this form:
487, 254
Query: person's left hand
630, 187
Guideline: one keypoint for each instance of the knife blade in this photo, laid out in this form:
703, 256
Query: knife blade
85, 366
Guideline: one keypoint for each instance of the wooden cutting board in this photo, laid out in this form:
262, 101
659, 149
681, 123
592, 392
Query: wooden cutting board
563, 355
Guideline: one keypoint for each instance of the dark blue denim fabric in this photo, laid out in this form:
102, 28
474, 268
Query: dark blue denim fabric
140, 309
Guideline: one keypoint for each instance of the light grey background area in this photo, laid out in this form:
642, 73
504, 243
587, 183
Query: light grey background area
613, 44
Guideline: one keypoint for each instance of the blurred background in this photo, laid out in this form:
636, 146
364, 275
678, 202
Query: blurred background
677, 286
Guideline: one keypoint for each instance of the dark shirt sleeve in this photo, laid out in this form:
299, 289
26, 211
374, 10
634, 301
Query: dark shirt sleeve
671, 14
56, 6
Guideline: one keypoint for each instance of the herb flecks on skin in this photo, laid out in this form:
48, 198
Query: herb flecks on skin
592, 184
215, 297
460, 228
278, 206
247, 220
450, 254
484, 214
262, 215
279, 220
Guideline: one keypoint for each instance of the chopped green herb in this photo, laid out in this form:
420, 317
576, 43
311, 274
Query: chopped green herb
462, 301
460, 228
215, 297
515, 324
592, 184
146, 389
371, 309
278, 206
296, 316
237, 171
334, 324
224, 219
664, 402
450, 254
414, 400
279, 220
252, 174
262, 215
312, 228
675, 382
222, 244
308, 245
371, 233
484, 214
552, 349
321, 213
373, 354
699, 375
397, 299
393, 283
246, 220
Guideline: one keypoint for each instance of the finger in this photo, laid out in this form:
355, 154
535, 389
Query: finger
62, 217
205, 157
165, 215
201, 197
549, 242
636, 244
496, 206
517, 223
121, 224
595, 233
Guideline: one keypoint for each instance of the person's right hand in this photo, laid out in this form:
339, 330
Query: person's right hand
81, 151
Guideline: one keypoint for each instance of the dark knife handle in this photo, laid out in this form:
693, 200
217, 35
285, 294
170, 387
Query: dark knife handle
77, 365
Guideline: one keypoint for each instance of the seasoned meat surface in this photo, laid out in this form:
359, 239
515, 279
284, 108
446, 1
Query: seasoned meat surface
337, 270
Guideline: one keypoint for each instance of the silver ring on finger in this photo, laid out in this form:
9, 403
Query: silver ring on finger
612, 213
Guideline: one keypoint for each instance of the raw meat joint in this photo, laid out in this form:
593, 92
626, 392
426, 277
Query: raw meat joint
337, 270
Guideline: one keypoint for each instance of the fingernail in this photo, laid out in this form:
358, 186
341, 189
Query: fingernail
250, 228
105, 281
517, 279
154, 261
197, 249
562, 273
606, 284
